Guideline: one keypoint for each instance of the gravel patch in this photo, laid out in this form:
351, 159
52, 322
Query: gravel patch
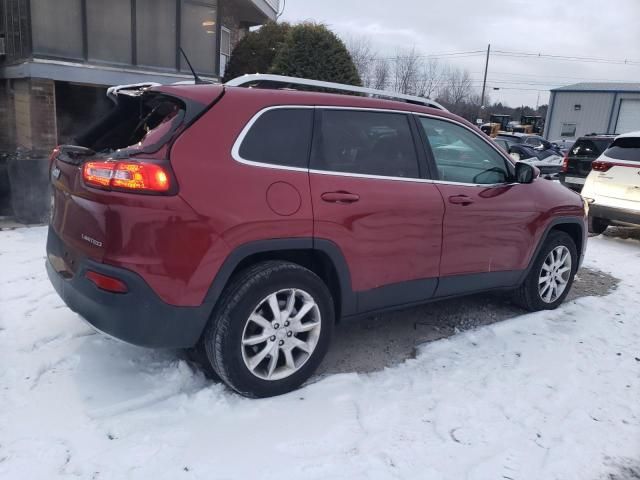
388, 339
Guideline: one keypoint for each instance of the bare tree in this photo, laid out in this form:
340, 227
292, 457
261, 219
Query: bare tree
363, 57
406, 71
380, 75
457, 86
430, 78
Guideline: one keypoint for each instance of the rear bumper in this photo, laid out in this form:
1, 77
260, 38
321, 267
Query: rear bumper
138, 317
615, 215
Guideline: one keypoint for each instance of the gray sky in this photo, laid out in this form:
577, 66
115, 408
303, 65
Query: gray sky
576, 28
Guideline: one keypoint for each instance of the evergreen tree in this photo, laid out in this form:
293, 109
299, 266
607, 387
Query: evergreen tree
312, 51
255, 52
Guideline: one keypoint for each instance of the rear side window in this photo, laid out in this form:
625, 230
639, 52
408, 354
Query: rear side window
588, 148
625, 149
280, 137
371, 143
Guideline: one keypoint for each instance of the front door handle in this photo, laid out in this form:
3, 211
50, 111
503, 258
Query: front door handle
340, 197
463, 200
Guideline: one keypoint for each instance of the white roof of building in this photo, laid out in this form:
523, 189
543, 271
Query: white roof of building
600, 87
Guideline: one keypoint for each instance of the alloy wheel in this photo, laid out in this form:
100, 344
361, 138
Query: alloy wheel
281, 334
554, 274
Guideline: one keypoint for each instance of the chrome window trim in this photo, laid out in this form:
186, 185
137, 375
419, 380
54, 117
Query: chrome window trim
235, 150
371, 177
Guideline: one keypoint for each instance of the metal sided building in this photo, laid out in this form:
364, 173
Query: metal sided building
583, 108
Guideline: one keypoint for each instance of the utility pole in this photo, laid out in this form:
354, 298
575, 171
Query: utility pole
484, 82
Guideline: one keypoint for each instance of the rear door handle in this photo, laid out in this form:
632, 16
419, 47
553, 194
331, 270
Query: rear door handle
340, 197
461, 200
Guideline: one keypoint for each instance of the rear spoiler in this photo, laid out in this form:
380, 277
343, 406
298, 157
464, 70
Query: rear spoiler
131, 90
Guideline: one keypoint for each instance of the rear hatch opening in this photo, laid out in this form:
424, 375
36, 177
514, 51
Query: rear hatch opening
141, 122
125, 151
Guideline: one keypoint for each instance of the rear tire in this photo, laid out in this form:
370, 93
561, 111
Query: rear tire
551, 276
597, 225
258, 352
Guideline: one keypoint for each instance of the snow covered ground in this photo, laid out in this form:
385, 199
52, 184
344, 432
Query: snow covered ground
544, 396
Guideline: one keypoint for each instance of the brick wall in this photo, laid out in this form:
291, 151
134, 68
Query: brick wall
43, 115
30, 118
7, 118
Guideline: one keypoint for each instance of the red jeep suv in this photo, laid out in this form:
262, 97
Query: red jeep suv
245, 222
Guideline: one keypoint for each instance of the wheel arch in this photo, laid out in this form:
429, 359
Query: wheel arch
322, 257
573, 226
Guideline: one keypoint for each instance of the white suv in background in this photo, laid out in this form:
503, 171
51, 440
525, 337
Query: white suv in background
612, 188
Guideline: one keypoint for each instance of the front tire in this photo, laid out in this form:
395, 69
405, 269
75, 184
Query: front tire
271, 329
551, 276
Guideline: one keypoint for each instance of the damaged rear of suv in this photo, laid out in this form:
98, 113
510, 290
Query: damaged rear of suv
115, 212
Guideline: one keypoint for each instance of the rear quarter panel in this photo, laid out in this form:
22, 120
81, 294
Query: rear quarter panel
229, 197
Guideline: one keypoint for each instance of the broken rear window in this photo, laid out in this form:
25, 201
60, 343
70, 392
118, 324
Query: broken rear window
137, 124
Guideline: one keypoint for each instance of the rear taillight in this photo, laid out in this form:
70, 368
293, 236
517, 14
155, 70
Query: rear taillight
127, 176
565, 163
600, 166
105, 282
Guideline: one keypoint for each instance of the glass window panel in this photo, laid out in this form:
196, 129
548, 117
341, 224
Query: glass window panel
109, 30
462, 156
225, 41
198, 35
371, 143
280, 137
48, 38
156, 33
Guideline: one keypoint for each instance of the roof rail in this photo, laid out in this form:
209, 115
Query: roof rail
258, 78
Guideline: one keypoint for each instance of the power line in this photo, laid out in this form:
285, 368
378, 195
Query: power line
511, 74
472, 53
567, 58
515, 54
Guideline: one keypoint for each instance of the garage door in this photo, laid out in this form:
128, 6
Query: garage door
629, 116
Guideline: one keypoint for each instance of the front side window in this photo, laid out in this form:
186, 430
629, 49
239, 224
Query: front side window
280, 137
364, 142
461, 156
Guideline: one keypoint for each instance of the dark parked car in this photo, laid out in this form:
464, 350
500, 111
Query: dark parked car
245, 222
534, 150
577, 163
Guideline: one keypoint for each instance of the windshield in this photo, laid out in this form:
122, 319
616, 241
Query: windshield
625, 149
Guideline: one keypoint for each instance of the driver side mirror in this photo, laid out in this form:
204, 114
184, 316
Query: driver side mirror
526, 173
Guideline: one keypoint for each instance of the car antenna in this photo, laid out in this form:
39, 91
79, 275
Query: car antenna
196, 78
